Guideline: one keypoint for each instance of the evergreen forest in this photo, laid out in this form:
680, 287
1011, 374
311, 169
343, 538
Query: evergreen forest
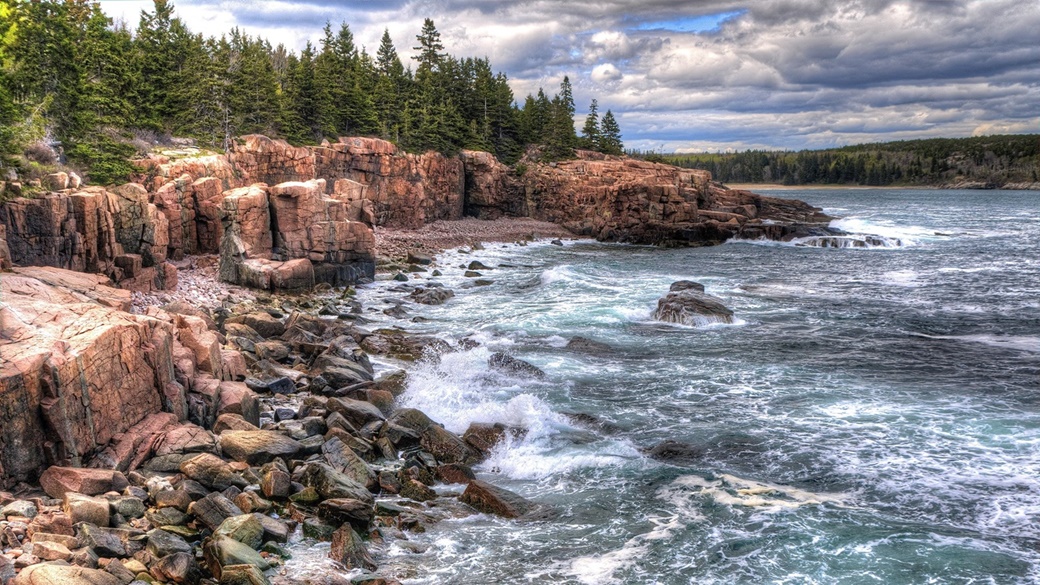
104, 94
988, 161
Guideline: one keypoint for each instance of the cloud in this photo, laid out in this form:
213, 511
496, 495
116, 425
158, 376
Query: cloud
715, 73
606, 73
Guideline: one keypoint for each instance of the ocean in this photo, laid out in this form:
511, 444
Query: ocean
872, 416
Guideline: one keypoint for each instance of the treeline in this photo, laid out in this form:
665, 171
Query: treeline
991, 160
68, 75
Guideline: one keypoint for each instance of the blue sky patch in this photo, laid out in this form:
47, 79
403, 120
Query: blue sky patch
691, 24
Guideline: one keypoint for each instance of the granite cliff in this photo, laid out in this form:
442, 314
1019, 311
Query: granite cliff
285, 217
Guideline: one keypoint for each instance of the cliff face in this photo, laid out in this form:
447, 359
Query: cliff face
405, 190
307, 213
117, 233
293, 235
627, 200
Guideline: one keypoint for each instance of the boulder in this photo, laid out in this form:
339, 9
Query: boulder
484, 436
276, 484
356, 412
162, 544
349, 550
81, 508
104, 542
343, 459
404, 346
675, 452
431, 295
237, 398
491, 499
51, 551
257, 447
414, 489
588, 346
232, 422
339, 511
20, 508
242, 575
245, 528
222, 551
53, 574
185, 438
178, 568
330, 483
514, 366
214, 509
690, 306
212, 472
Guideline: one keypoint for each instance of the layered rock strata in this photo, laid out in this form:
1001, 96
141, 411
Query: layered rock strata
628, 200
117, 233
292, 236
82, 380
315, 223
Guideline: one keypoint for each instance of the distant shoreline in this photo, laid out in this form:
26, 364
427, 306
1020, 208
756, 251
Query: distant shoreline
817, 187
779, 187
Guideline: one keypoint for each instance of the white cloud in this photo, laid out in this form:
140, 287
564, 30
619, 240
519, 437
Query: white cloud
606, 73
792, 74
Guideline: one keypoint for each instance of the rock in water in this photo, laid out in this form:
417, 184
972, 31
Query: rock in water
432, 295
492, 499
349, 549
517, 367
687, 304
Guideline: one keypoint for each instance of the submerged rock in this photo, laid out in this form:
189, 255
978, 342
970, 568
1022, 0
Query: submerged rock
687, 304
585, 345
517, 367
435, 295
675, 452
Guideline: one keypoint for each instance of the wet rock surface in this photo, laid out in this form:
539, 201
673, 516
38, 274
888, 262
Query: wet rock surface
687, 304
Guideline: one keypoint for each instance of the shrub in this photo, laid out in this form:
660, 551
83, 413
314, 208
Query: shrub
42, 153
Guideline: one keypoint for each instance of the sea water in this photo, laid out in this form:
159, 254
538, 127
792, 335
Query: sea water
873, 416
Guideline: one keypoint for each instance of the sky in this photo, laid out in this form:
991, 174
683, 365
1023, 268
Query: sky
712, 75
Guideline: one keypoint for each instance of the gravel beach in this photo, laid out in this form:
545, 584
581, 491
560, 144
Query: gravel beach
198, 284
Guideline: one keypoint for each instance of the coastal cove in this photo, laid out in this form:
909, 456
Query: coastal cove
871, 417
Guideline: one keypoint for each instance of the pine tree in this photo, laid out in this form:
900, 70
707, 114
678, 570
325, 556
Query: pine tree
300, 116
162, 46
590, 132
429, 49
389, 89
611, 132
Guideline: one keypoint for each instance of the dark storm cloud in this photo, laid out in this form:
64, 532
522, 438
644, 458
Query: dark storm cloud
719, 73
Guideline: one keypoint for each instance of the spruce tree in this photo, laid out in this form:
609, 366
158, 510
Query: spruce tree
430, 47
390, 88
611, 141
590, 132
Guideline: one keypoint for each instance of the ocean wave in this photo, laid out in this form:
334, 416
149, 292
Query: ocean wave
1024, 343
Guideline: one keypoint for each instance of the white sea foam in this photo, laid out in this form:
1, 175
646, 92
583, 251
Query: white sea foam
734, 491
1026, 343
904, 278
597, 569
909, 234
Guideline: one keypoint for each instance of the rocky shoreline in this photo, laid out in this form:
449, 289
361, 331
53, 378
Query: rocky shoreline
289, 434
309, 444
182, 427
